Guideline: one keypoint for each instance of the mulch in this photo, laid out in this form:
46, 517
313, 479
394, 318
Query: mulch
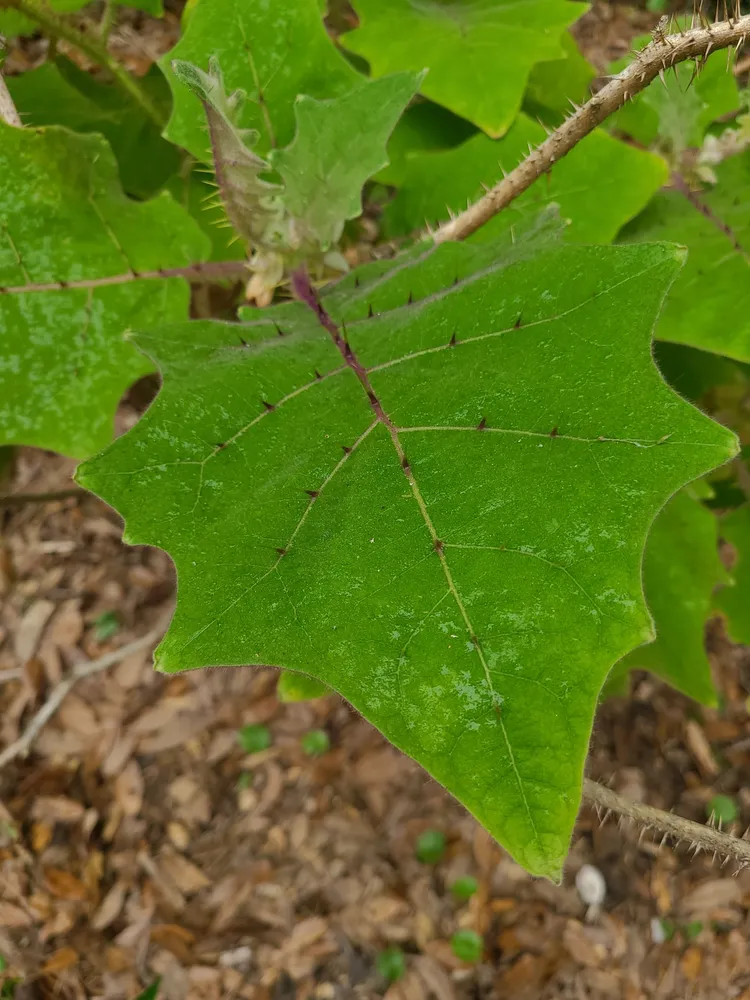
138, 841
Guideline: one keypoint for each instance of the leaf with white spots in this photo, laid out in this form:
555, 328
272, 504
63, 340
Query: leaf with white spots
79, 264
429, 490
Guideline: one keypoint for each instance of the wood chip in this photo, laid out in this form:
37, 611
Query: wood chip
63, 884
63, 958
129, 787
110, 907
710, 896
700, 748
29, 632
13, 916
57, 809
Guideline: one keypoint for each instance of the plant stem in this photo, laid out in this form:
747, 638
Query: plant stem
92, 47
660, 55
699, 836
19, 499
108, 19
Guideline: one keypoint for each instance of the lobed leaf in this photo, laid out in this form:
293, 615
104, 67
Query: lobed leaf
272, 51
599, 186
75, 254
681, 569
480, 52
431, 492
709, 305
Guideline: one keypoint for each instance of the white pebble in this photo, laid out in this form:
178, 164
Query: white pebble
658, 934
591, 886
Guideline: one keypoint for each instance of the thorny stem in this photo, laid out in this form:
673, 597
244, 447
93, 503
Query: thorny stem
92, 47
660, 55
700, 837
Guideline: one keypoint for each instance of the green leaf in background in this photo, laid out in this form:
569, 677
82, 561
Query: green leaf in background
274, 51
621, 178
675, 114
292, 686
479, 52
460, 560
681, 569
325, 166
59, 93
556, 85
73, 249
734, 600
424, 125
709, 305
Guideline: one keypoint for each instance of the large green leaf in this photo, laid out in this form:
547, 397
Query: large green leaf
709, 306
681, 569
554, 87
479, 52
622, 178
59, 93
274, 51
325, 166
441, 516
734, 601
75, 255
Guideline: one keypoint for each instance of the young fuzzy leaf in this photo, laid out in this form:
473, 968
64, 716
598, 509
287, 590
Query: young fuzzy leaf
709, 305
331, 157
479, 52
681, 568
271, 50
79, 264
437, 183
431, 491
252, 204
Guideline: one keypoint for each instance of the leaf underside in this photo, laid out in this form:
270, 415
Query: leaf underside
71, 245
437, 506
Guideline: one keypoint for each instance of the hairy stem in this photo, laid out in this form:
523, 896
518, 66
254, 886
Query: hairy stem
92, 47
108, 19
700, 837
660, 55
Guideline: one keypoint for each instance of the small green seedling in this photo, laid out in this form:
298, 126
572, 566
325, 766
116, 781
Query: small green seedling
253, 739
391, 964
692, 930
467, 945
315, 743
722, 810
464, 888
244, 781
430, 847
106, 625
